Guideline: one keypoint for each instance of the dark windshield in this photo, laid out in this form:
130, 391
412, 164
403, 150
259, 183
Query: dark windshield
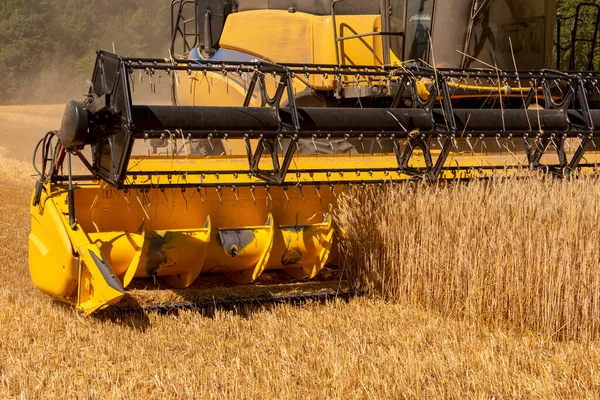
414, 18
419, 17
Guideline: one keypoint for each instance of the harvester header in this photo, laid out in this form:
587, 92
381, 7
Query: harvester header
239, 173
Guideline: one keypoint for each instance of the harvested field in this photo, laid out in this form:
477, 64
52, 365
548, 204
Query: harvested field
367, 348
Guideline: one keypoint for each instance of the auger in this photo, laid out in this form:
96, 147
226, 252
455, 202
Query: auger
278, 109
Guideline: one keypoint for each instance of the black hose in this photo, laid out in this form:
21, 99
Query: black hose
45, 143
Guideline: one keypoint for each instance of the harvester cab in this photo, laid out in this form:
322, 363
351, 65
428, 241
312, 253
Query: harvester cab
277, 108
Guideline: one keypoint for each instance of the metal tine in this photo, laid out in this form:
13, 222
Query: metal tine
199, 191
538, 141
299, 186
580, 138
226, 77
162, 190
237, 200
268, 198
150, 73
512, 142
346, 137
454, 143
225, 137
192, 80
357, 86
219, 196
362, 144
126, 194
481, 138
379, 142
185, 200
244, 78
469, 143
285, 189
131, 78
252, 189
318, 191
552, 136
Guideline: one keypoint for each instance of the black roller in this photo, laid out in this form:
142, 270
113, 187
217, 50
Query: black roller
514, 120
191, 118
360, 119
260, 119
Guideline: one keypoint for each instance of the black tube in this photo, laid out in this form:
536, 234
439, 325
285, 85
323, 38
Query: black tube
262, 119
510, 120
204, 118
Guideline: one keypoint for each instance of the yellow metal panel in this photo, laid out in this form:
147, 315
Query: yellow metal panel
303, 250
275, 35
358, 51
52, 264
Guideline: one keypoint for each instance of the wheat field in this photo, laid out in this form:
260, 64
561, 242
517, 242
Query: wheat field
409, 341
525, 253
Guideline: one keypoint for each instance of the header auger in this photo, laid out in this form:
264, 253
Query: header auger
240, 173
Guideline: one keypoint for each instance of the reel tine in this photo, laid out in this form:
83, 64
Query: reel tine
285, 189
299, 186
252, 189
237, 200
185, 200
219, 196
268, 197
468, 139
318, 191
225, 137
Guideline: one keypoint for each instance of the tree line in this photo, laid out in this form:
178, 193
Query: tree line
47, 47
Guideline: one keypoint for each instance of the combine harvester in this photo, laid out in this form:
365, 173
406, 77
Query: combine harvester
277, 108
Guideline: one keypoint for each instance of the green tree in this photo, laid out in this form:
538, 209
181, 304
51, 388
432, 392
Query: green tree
48, 47
586, 27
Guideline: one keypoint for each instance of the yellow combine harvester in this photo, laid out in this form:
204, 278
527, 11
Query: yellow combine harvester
278, 107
